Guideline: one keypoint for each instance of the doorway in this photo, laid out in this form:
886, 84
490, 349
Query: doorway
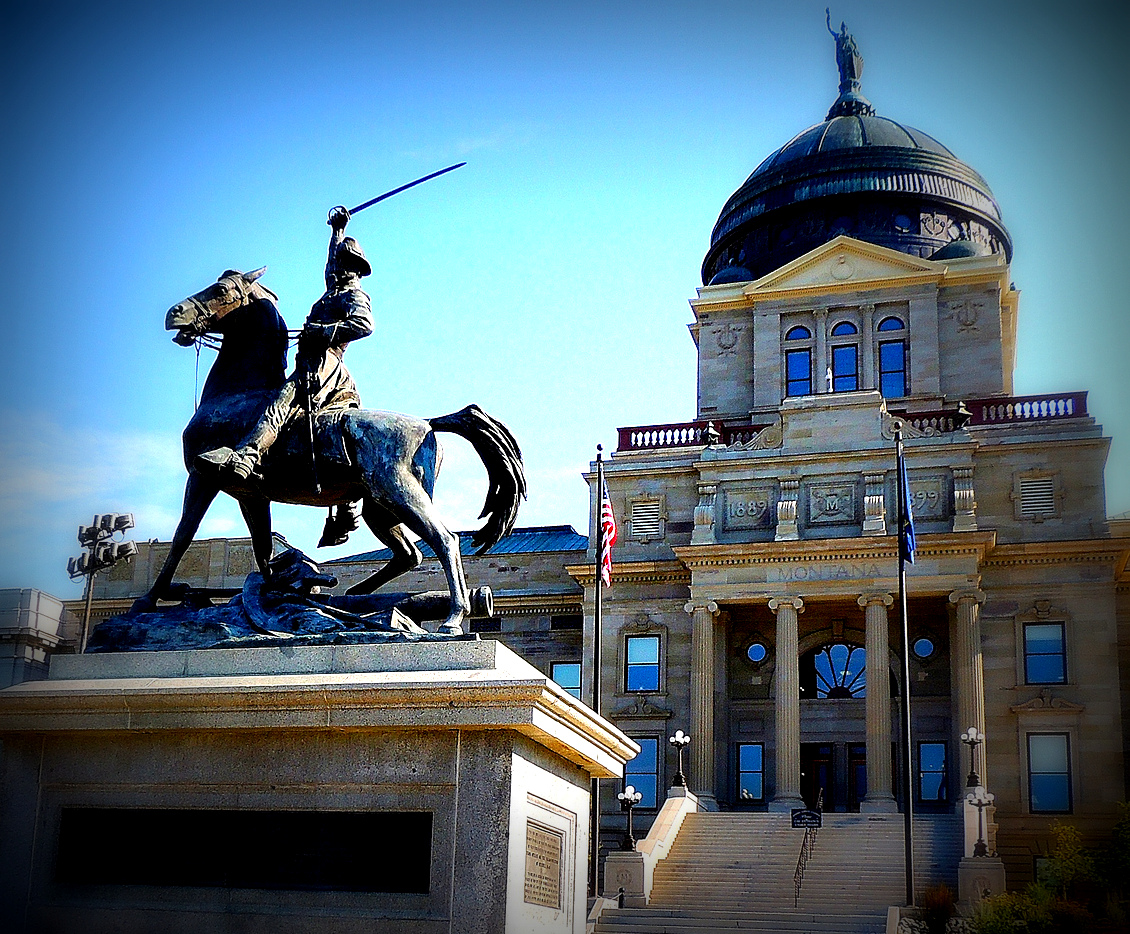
818, 770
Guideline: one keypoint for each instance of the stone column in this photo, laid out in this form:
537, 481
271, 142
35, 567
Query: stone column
878, 704
968, 676
820, 364
701, 777
787, 678
867, 374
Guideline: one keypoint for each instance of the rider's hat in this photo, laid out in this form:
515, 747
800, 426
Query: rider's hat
351, 256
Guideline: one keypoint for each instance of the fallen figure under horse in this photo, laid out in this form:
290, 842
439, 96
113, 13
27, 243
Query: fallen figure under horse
387, 461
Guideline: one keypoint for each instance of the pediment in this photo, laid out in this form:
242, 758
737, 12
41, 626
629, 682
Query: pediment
1047, 702
843, 264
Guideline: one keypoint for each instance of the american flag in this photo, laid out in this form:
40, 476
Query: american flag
607, 534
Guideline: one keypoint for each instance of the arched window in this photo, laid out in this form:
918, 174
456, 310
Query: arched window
893, 381
798, 361
843, 329
834, 671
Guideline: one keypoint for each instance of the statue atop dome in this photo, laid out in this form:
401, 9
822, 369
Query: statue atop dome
850, 103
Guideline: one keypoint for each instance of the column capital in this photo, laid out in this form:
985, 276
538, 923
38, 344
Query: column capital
796, 603
710, 606
972, 594
882, 597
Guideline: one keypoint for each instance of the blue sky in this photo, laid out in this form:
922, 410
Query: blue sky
150, 147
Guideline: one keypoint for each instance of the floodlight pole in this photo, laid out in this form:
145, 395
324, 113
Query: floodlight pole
594, 856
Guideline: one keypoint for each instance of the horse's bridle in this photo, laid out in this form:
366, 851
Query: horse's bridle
205, 317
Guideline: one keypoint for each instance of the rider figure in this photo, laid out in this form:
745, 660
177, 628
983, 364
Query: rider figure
341, 315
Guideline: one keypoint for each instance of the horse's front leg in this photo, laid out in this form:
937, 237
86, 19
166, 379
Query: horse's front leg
257, 515
198, 496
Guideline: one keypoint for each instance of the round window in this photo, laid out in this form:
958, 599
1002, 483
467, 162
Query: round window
923, 648
756, 653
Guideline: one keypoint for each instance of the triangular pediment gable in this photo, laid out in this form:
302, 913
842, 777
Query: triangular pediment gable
845, 264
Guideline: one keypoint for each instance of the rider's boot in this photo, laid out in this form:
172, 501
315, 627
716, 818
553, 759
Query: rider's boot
241, 463
341, 521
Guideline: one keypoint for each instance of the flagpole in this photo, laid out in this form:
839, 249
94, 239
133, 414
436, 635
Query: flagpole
908, 788
594, 856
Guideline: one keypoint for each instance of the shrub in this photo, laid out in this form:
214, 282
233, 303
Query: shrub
937, 906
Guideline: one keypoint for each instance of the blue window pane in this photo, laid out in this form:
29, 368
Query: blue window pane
568, 675
643, 678
798, 372
756, 652
845, 377
932, 757
1044, 637
751, 786
844, 327
648, 759
749, 757
1050, 793
798, 334
932, 789
892, 369
646, 785
923, 648
1047, 752
1045, 669
891, 324
643, 650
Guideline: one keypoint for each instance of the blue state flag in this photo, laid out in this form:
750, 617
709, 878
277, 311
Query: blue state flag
906, 533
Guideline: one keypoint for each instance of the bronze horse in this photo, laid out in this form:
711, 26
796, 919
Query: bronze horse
388, 461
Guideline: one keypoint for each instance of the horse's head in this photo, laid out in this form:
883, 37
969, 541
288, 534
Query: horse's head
200, 313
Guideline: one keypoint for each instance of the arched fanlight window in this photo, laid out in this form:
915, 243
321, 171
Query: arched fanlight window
798, 333
891, 324
843, 329
840, 671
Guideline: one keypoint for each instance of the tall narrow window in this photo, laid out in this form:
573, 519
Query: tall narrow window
892, 360
643, 663
1045, 658
751, 772
1049, 773
798, 361
845, 368
932, 772
568, 675
642, 772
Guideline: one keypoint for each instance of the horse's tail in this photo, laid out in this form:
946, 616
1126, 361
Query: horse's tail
505, 474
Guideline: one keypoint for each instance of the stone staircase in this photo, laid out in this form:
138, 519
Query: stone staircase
734, 871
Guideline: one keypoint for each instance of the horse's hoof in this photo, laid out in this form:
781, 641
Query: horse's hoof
452, 626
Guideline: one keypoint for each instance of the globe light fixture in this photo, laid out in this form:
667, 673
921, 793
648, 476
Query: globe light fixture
680, 741
980, 799
102, 552
972, 738
629, 798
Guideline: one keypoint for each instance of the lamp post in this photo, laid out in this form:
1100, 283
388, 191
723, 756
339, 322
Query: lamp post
980, 799
629, 798
680, 741
101, 553
972, 738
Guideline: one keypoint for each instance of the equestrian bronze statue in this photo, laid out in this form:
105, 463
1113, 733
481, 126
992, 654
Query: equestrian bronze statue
261, 437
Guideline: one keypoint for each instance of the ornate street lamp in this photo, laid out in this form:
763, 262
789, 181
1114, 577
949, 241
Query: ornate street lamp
980, 799
629, 798
680, 741
101, 553
972, 738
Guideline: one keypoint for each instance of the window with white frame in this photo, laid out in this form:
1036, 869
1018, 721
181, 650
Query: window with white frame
642, 772
845, 357
641, 669
1045, 653
798, 361
568, 675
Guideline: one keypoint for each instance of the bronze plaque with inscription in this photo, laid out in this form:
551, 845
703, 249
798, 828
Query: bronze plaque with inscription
543, 865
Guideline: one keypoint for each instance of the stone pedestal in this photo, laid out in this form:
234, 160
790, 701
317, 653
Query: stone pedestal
624, 869
433, 788
978, 877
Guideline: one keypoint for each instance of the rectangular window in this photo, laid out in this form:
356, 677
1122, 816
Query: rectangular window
845, 368
1045, 657
642, 772
1049, 773
932, 772
643, 663
568, 675
892, 369
491, 624
751, 772
798, 373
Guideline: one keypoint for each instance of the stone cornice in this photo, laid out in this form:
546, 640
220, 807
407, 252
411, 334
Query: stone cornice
636, 572
833, 550
1112, 551
526, 604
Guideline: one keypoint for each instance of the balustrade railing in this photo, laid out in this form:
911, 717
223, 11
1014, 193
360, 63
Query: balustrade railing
685, 435
1009, 410
807, 847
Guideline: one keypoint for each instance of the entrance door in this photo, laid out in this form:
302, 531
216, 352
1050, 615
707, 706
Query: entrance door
857, 775
817, 770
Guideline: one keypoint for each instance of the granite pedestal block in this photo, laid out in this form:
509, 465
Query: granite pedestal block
392, 788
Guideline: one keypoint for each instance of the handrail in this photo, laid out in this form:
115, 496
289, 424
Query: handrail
807, 846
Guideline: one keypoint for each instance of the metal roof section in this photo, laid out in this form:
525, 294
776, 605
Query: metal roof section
531, 540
